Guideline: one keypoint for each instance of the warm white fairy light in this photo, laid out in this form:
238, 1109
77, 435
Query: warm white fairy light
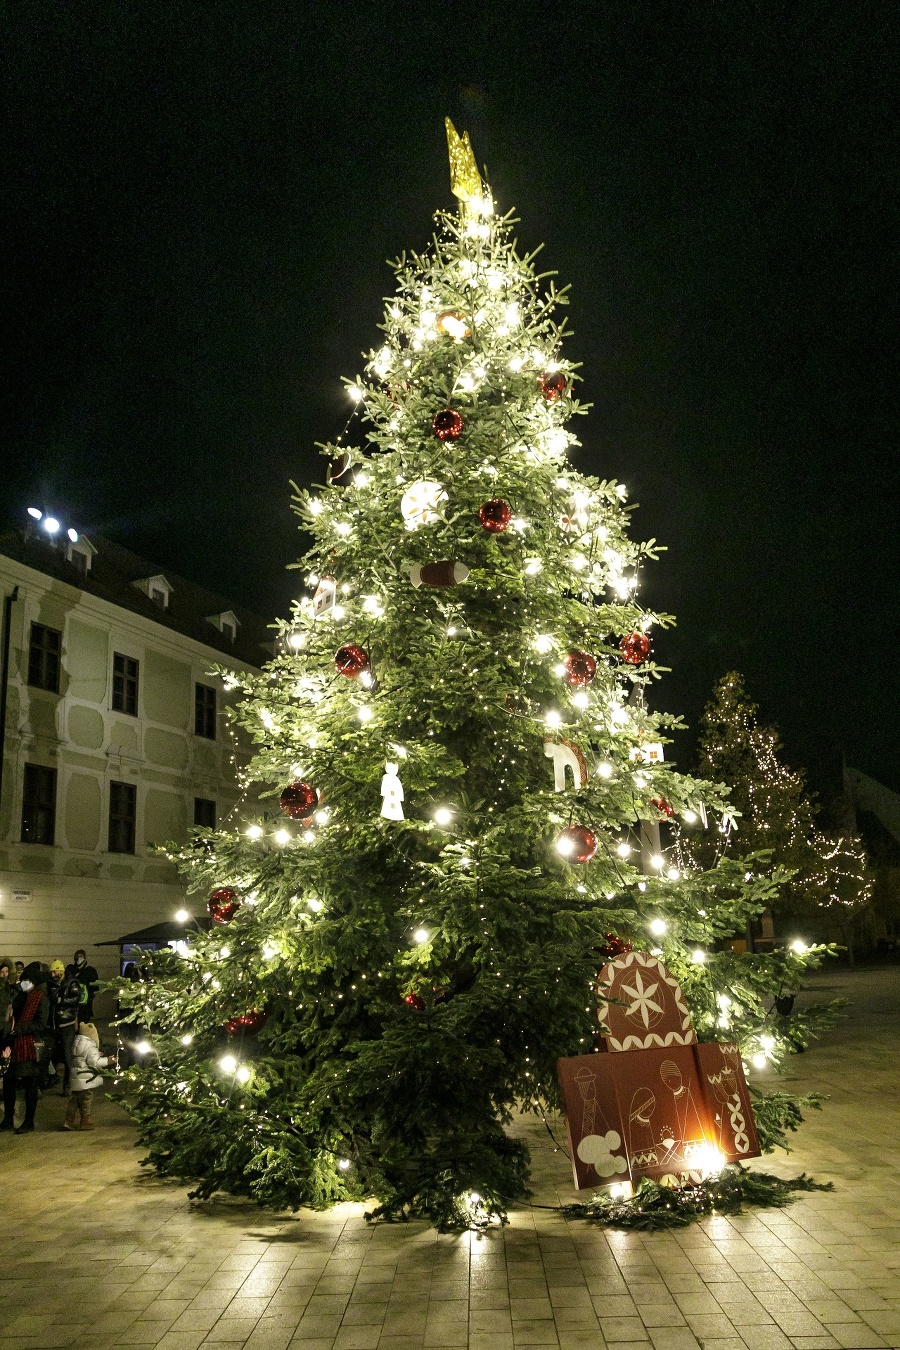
269, 951
243, 1074
443, 816
186, 1039
553, 719
799, 946
533, 566
355, 392
143, 1047
605, 769
698, 956
182, 915
282, 837
365, 713
228, 1064
542, 643
421, 935
658, 927
314, 904
657, 862
623, 850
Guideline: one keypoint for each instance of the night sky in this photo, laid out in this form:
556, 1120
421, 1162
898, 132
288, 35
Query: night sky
198, 205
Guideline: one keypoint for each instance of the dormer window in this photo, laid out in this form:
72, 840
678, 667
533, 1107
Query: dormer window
80, 553
227, 623
157, 589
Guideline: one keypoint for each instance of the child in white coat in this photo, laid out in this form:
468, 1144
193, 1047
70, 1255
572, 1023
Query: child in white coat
87, 1062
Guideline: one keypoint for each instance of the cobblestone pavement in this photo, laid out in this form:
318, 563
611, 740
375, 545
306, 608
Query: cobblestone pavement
95, 1254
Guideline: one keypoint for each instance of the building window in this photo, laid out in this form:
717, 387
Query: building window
79, 561
204, 813
228, 630
125, 684
205, 711
159, 597
43, 657
39, 805
122, 815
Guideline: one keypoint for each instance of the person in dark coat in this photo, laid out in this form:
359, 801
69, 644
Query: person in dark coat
31, 1019
88, 978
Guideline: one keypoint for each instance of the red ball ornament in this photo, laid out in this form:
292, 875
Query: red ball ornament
249, 1023
337, 468
580, 667
298, 799
447, 425
662, 805
223, 904
415, 1001
495, 515
553, 385
614, 946
351, 660
635, 648
577, 844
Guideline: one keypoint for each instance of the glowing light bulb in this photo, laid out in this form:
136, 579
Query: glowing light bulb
623, 850
605, 769
355, 392
553, 718
421, 935
34, 513
543, 643
533, 566
443, 816
344, 1164
143, 1047
282, 837
658, 927
314, 903
73, 535
690, 817
182, 915
187, 1038
243, 1074
254, 832
767, 1043
581, 700
296, 641
759, 1061
365, 713
269, 950
228, 1064
799, 946
698, 956
657, 862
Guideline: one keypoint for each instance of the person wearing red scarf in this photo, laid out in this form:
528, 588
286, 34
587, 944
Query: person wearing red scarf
31, 1016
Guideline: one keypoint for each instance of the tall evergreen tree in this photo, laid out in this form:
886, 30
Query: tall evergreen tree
830, 881
407, 941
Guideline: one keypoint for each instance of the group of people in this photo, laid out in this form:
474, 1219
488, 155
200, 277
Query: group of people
47, 1035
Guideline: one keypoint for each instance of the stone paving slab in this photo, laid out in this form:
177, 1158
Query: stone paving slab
94, 1253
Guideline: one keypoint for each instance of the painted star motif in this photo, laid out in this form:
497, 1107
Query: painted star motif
642, 999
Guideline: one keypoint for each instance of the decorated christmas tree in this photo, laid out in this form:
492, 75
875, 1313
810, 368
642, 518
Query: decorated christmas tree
462, 786
830, 882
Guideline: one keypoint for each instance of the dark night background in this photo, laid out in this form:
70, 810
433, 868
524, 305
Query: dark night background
199, 201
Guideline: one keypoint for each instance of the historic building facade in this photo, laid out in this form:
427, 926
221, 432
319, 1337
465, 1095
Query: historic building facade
114, 739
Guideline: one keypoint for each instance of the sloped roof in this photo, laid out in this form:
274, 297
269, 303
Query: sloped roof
112, 575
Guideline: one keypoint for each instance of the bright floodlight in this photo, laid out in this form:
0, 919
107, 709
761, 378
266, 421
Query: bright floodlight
34, 513
51, 524
73, 535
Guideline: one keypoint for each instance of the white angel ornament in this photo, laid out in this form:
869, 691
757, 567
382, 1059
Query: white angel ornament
392, 793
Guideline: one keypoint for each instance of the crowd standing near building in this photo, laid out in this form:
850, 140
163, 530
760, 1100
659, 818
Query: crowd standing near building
47, 1037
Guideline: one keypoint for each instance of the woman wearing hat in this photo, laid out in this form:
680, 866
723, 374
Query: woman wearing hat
31, 1017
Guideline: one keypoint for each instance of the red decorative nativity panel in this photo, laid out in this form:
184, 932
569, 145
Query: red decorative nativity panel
665, 1107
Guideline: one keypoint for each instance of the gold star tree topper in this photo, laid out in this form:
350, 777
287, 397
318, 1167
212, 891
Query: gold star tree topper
465, 180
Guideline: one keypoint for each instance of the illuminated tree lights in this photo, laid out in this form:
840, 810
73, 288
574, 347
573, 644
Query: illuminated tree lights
406, 961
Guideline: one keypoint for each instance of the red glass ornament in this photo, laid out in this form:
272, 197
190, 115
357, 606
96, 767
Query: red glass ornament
614, 946
351, 660
580, 667
223, 904
298, 799
577, 844
415, 1001
662, 805
495, 515
447, 425
553, 385
337, 467
635, 648
248, 1023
